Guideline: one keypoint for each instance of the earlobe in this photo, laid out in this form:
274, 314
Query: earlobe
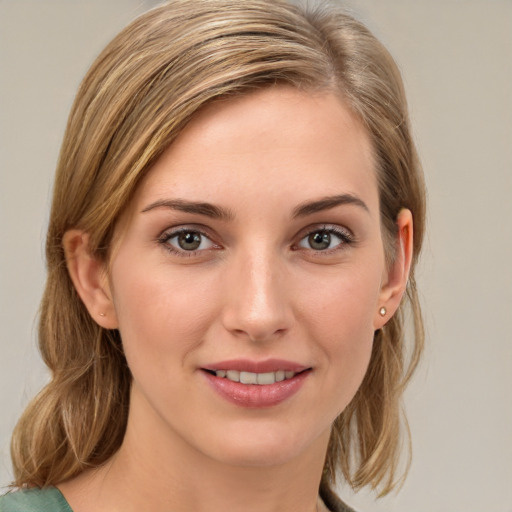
89, 278
395, 282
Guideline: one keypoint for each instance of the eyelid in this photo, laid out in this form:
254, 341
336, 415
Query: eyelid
173, 232
344, 234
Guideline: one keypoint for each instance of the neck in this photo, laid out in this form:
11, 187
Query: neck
187, 481
160, 472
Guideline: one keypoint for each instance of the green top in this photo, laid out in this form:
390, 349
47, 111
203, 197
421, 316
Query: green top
48, 499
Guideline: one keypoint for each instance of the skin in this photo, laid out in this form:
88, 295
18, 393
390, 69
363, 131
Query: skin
256, 289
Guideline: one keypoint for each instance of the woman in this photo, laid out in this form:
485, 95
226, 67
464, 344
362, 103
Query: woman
237, 214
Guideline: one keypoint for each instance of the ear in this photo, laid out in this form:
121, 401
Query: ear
394, 281
90, 278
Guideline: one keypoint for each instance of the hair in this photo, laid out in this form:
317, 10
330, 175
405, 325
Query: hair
134, 101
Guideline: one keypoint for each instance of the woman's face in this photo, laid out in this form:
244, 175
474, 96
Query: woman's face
251, 250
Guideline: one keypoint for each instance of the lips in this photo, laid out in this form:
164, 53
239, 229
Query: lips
260, 379
256, 384
248, 365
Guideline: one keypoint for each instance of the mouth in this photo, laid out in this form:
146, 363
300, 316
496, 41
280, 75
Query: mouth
258, 379
256, 384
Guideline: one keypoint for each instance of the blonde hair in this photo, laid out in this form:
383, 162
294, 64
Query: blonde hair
134, 101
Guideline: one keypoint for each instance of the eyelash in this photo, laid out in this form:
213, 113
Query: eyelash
345, 236
169, 235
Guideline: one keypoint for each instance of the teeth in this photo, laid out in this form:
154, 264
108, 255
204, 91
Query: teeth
255, 378
248, 378
266, 378
233, 375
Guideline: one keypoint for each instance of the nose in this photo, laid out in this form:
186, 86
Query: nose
257, 303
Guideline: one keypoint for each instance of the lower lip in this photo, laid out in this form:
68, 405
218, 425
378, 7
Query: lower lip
257, 396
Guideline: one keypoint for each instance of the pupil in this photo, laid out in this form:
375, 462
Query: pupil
320, 240
189, 241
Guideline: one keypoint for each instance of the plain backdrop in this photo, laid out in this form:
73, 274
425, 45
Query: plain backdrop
456, 59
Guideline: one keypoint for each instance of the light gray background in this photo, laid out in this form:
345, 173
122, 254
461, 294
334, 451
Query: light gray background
456, 58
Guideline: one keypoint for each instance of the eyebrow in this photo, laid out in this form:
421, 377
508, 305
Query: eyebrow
327, 203
207, 209
218, 212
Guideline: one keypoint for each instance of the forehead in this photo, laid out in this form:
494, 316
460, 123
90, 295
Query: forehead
275, 143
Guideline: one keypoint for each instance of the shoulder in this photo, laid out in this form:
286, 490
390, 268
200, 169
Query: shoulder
48, 499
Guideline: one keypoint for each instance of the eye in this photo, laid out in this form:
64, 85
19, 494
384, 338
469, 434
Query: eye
186, 241
326, 239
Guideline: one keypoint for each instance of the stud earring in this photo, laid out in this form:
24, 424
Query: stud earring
102, 314
383, 311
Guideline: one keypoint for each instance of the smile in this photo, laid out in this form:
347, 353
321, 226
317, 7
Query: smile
252, 384
259, 379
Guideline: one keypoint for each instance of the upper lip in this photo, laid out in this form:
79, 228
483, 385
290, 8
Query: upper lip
247, 365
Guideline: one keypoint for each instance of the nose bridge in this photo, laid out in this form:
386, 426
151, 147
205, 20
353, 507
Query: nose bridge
258, 303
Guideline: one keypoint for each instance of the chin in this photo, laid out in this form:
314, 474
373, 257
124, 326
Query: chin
254, 447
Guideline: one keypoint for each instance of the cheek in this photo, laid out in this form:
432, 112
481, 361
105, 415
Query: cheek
343, 304
161, 313
340, 319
